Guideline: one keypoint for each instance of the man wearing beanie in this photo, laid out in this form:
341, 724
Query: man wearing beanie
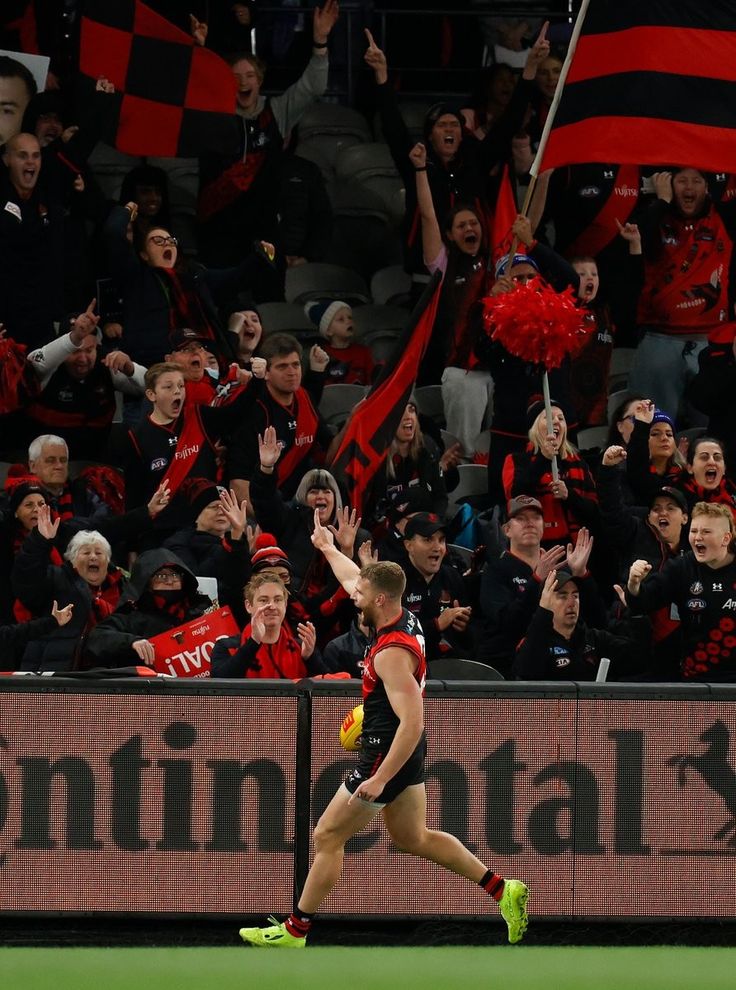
350, 363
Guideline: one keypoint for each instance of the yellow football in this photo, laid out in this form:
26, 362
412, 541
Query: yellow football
351, 729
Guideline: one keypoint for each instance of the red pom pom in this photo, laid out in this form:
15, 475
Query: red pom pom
537, 324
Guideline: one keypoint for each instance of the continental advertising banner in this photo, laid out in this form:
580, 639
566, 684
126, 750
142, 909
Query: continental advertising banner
151, 804
180, 800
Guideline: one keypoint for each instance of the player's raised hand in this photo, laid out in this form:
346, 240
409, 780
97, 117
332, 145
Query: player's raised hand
322, 538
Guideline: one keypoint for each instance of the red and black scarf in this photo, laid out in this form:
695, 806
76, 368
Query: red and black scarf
725, 494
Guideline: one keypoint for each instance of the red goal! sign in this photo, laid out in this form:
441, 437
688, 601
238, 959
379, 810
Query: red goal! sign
186, 650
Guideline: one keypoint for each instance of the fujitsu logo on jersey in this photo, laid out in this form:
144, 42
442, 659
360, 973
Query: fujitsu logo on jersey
304, 440
187, 452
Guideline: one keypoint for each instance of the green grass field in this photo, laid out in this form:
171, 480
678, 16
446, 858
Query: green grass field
420, 968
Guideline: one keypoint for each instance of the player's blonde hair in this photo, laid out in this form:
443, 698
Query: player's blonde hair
386, 577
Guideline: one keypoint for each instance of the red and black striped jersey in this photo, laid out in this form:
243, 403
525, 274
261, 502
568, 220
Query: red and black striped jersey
379, 718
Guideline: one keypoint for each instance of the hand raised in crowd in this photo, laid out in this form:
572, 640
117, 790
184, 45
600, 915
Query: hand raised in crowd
198, 30
318, 358
366, 554
62, 615
549, 560
160, 499
614, 455
452, 456
644, 411
251, 534
103, 85
78, 184
242, 375
258, 367
537, 53
579, 555
132, 208
112, 331
662, 182
348, 524
504, 283
631, 233
458, 616
322, 538
46, 528
145, 651
236, 513
637, 572
546, 599
119, 361
418, 155
258, 624
68, 133
324, 20
376, 59
308, 636
269, 447
522, 230
84, 324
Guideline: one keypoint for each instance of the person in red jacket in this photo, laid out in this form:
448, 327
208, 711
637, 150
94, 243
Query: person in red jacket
268, 647
688, 247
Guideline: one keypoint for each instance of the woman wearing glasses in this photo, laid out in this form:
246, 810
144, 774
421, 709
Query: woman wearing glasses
162, 595
162, 291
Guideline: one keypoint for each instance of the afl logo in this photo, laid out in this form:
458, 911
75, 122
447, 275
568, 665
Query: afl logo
696, 604
158, 463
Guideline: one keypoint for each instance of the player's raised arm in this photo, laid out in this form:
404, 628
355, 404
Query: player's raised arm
345, 570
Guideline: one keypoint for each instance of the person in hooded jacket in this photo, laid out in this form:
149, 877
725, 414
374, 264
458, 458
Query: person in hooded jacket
162, 595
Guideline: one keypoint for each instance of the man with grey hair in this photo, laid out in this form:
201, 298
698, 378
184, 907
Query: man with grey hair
48, 460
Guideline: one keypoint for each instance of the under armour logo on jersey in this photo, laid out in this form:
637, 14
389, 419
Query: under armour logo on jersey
173, 441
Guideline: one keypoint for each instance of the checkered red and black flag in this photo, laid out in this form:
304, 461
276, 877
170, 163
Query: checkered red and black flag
650, 82
373, 424
173, 98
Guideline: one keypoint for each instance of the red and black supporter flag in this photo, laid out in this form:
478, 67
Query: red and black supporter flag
504, 215
374, 422
173, 98
653, 82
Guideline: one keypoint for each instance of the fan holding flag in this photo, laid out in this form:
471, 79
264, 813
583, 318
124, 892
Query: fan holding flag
626, 94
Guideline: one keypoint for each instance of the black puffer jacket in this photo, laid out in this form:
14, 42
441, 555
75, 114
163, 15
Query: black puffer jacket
37, 584
110, 643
